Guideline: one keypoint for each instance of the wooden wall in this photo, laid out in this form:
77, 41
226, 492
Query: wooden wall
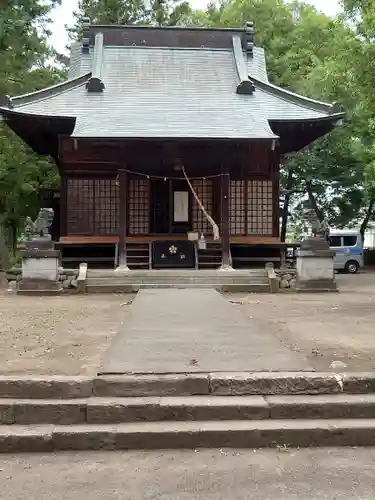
251, 207
90, 193
92, 206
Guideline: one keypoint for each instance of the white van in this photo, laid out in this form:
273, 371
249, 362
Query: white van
348, 247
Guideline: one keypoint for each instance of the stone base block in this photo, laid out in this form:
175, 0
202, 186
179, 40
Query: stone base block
316, 286
40, 264
37, 286
40, 244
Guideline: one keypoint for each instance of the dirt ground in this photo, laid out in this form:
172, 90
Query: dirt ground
324, 327
57, 335
307, 474
70, 334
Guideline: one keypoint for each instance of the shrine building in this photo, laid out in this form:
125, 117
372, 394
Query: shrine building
168, 142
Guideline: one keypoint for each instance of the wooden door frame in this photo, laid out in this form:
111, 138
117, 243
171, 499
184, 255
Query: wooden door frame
171, 190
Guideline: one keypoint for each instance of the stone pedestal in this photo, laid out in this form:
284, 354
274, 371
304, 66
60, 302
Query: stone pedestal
40, 269
315, 271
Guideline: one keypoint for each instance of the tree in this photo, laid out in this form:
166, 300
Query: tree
307, 53
25, 66
157, 12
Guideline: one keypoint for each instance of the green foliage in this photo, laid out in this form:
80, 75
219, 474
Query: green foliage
157, 12
312, 54
25, 66
307, 52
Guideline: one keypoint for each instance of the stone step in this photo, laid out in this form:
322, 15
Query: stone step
185, 283
96, 410
186, 384
283, 434
174, 273
130, 279
128, 288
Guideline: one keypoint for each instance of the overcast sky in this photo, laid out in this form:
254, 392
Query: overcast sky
64, 15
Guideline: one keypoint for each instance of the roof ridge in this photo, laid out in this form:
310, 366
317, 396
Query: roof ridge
167, 28
50, 91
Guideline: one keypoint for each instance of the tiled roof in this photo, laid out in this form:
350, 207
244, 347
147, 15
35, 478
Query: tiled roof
170, 92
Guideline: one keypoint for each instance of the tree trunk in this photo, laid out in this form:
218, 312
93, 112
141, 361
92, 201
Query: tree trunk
312, 201
284, 219
369, 213
4, 255
14, 237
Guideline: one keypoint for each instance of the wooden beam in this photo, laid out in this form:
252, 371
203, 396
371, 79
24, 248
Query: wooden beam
94, 240
123, 217
225, 233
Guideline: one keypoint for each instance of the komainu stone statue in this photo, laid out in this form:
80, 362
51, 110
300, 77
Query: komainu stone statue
318, 228
39, 229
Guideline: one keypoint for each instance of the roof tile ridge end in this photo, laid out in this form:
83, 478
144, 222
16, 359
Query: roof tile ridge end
6, 101
245, 85
95, 83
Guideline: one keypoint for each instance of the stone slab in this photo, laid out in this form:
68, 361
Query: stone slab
196, 408
50, 387
84, 437
61, 412
245, 383
21, 438
6, 412
152, 385
187, 330
322, 406
38, 287
283, 434
358, 383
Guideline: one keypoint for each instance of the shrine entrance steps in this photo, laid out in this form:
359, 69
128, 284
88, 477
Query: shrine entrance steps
189, 370
217, 410
110, 281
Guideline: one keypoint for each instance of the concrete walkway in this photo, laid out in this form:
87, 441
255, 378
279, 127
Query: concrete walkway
191, 330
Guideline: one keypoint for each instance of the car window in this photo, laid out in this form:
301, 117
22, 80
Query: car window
350, 241
335, 241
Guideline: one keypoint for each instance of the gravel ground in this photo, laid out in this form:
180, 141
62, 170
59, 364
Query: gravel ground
57, 335
70, 334
324, 327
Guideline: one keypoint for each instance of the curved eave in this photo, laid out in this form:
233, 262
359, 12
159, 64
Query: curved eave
40, 132
298, 134
49, 91
304, 102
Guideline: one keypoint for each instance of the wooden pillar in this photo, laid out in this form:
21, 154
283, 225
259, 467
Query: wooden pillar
275, 170
123, 216
225, 233
64, 206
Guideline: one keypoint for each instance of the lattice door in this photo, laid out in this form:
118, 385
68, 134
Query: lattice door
237, 208
138, 208
203, 188
92, 206
259, 208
